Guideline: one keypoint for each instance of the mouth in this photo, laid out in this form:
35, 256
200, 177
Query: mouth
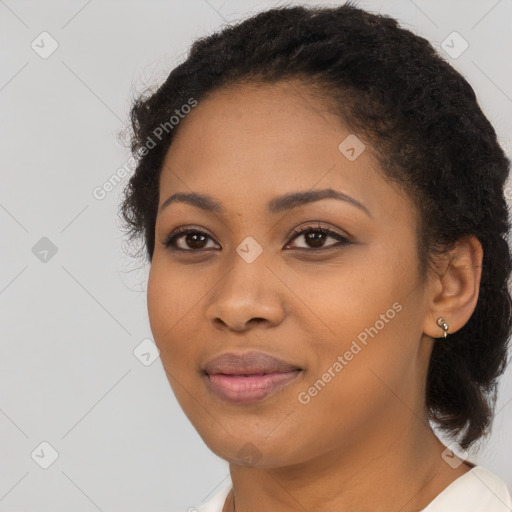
248, 388
248, 377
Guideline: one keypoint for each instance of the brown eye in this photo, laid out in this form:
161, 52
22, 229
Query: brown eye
193, 240
315, 237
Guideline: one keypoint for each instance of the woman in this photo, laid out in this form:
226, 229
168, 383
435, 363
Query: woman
321, 200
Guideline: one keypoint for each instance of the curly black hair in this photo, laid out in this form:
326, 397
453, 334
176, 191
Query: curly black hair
424, 127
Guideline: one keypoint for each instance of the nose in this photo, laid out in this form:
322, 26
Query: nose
249, 294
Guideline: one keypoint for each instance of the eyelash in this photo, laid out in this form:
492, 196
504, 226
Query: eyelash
170, 241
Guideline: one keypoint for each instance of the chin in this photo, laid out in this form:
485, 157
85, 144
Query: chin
251, 450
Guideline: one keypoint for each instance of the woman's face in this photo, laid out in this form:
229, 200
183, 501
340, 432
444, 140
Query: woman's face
349, 315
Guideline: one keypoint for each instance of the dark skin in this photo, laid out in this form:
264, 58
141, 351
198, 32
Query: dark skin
364, 442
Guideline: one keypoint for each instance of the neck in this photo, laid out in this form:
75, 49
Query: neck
402, 470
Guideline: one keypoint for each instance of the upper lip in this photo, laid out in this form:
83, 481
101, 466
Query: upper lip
248, 363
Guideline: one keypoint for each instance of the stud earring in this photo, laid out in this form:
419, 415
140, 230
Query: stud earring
441, 322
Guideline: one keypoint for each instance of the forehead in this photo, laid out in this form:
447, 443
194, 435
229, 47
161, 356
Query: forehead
249, 143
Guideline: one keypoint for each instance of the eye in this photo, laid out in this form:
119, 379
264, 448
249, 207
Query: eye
194, 240
316, 236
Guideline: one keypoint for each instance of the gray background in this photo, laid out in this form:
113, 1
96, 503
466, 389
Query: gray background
70, 321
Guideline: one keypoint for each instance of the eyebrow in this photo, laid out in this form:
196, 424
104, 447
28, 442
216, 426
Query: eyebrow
276, 205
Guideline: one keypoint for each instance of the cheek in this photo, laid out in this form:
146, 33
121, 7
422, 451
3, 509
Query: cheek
165, 303
368, 313
170, 299
344, 301
158, 301
169, 310
173, 303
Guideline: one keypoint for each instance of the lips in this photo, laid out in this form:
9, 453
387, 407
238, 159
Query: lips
248, 378
249, 363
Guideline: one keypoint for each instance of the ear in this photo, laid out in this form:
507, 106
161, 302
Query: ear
453, 291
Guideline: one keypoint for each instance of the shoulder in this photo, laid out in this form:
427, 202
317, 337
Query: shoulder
478, 490
216, 502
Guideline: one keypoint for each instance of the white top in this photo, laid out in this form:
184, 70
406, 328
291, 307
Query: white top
478, 490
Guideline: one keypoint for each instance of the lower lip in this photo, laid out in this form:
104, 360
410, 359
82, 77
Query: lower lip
244, 389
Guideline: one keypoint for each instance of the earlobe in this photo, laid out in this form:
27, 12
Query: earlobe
455, 294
